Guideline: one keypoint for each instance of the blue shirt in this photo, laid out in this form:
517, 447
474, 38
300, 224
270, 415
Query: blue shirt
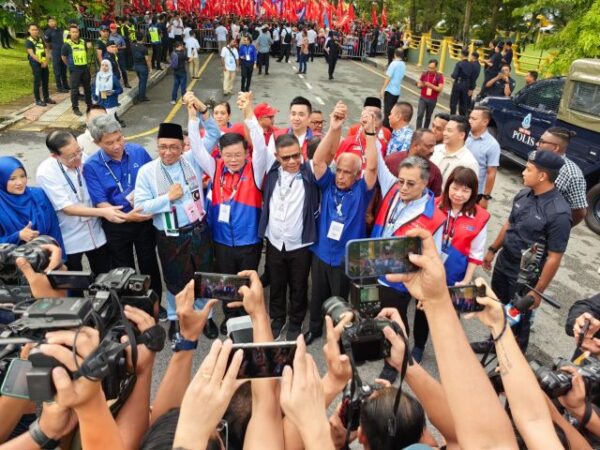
118, 39
400, 141
486, 151
395, 72
103, 175
247, 54
353, 204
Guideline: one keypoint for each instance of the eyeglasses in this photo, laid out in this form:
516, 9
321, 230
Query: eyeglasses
543, 141
172, 148
287, 158
318, 122
223, 430
409, 184
74, 156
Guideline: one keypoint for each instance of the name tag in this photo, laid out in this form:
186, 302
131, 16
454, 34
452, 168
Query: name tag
191, 211
335, 230
224, 212
247, 57
428, 92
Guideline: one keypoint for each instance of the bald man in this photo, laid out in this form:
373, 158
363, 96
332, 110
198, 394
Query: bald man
345, 198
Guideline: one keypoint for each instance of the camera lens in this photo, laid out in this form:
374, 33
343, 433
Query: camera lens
336, 307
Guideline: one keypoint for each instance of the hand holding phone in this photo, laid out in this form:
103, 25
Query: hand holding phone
464, 297
380, 256
218, 285
264, 360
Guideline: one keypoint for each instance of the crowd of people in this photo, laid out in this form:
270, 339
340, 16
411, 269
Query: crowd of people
219, 195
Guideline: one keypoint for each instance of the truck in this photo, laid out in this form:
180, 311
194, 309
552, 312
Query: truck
573, 102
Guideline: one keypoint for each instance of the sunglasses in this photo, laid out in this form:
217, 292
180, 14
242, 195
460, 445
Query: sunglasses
287, 158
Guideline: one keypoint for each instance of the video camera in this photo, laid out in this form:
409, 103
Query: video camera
101, 309
362, 339
38, 257
555, 383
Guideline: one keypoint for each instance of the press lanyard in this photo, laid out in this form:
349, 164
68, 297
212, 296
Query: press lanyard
394, 212
449, 232
235, 188
114, 177
73, 188
170, 180
283, 196
339, 202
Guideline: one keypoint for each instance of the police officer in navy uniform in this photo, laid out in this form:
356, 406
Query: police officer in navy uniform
38, 60
74, 55
141, 65
475, 71
462, 75
539, 214
54, 38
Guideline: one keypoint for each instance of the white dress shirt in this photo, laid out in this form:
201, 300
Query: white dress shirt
447, 162
80, 234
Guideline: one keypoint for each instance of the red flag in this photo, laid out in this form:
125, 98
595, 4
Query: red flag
170, 6
374, 16
383, 18
158, 7
351, 14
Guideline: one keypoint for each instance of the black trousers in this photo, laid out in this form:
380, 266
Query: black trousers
98, 259
246, 69
459, 97
425, 110
156, 55
389, 100
288, 269
233, 260
285, 52
123, 238
165, 49
123, 66
327, 281
40, 80
332, 62
60, 71
311, 52
263, 61
80, 77
5, 37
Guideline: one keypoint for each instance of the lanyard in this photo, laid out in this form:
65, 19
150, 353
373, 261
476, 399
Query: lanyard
449, 231
339, 200
394, 212
168, 177
235, 188
114, 177
283, 195
72, 186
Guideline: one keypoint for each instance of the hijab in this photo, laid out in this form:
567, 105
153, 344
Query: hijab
16, 211
104, 80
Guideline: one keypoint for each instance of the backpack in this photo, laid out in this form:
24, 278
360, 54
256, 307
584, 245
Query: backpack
288, 37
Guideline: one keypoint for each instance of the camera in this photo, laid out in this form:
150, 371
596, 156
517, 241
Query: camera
365, 299
555, 383
38, 257
362, 339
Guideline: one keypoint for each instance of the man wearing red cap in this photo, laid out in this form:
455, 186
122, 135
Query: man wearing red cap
265, 114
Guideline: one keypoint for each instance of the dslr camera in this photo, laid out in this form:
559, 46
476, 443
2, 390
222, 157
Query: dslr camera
38, 257
363, 339
555, 383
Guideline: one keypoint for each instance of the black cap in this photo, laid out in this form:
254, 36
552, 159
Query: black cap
170, 131
103, 28
372, 101
545, 159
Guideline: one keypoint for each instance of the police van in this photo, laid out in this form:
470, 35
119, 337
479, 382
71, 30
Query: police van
572, 102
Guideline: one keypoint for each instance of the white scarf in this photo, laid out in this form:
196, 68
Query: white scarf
104, 80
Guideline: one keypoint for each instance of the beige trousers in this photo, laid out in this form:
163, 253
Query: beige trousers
228, 78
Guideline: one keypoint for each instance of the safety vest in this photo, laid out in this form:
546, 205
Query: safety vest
154, 35
65, 35
40, 50
128, 31
79, 52
244, 208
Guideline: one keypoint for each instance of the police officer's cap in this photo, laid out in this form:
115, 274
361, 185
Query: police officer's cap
103, 28
170, 131
545, 159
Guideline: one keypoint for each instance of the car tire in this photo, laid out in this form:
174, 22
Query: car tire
592, 217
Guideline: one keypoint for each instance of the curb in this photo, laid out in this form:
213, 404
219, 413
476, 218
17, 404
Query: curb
407, 76
126, 101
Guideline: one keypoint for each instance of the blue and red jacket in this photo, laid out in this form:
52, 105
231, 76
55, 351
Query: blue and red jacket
431, 219
459, 234
246, 206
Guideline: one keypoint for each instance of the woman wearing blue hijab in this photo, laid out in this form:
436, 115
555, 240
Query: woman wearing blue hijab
25, 212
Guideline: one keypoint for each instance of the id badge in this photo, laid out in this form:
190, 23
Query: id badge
335, 230
191, 211
280, 213
224, 212
247, 57
428, 92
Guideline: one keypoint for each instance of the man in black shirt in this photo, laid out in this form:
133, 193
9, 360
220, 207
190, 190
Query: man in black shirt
54, 38
541, 215
38, 60
141, 65
492, 65
101, 43
461, 75
475, 71
502, 85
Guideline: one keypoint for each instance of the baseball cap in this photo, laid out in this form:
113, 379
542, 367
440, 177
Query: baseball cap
546, 159
264, 110
113, 26
103, 28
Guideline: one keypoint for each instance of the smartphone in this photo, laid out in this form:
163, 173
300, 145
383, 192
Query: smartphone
15, 381
219, 285
264, 360
70, 280
380, 256
463, 297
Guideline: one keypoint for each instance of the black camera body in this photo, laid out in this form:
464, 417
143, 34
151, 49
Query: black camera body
555, 383
362, 338
365, 299
123, 280
38, 257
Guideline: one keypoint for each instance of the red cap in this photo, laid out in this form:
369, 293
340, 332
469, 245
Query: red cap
264, 110
113, 26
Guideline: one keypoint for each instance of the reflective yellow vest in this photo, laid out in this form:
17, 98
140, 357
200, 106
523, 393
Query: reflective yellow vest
79, 52
40, 50
154, 35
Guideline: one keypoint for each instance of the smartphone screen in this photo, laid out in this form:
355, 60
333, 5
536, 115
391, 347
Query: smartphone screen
463, 297
219, 285
264, 360
15, 381
377, 257
70, 280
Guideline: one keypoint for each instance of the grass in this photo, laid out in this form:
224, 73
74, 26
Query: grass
16, 79
530, 58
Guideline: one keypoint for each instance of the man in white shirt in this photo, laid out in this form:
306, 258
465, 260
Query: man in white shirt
452, 152
230, 61
177, 24
312, 39
193, 49
235, 31
221, 33
300, 110
61, 179
290, 208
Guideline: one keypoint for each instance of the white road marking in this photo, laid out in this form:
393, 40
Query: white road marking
319, 100
308, 85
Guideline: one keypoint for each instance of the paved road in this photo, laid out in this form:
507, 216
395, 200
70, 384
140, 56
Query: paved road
577, 277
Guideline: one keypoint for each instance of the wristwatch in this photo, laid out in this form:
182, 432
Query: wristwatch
492, 249
182, 344
486, 196
40, 438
